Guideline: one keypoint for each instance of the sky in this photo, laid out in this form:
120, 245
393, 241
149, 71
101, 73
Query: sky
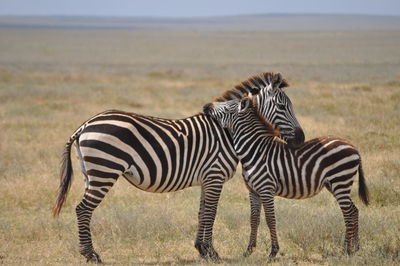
191, 8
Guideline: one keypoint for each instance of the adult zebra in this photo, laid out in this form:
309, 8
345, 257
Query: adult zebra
162, 155
272, 169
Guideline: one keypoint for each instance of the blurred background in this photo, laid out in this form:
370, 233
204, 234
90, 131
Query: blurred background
63, 62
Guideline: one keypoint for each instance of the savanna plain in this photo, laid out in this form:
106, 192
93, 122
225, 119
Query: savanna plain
344, 83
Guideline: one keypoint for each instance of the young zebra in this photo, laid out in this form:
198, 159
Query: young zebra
162, 155
271, 168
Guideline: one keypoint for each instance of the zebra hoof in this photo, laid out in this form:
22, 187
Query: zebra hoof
272, 255
248, 252
213, 255
356, 247
207, 251
274, 252
93, 258
347, 250
201, 249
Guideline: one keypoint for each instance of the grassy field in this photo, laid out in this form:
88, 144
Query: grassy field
344, 83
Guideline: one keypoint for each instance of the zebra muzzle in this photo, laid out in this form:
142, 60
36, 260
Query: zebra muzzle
278, 139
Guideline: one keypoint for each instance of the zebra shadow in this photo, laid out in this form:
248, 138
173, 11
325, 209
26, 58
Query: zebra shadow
198, 261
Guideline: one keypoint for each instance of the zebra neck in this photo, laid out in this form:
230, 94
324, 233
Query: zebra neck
251, 138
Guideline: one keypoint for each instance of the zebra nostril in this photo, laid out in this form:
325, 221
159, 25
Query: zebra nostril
207, 108
296, 137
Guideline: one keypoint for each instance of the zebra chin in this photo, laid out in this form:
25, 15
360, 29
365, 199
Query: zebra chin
295, 139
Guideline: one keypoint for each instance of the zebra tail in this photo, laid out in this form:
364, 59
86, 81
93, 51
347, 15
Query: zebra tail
66, 174
362, 186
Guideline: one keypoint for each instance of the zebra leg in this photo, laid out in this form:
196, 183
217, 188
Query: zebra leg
255, 208
200, 230
267, 200
212, 190
355, 239
91, 199
350, 215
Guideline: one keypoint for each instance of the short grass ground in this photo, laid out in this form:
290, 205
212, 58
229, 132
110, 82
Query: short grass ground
343, 83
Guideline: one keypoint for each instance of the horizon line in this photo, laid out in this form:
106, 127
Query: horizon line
199, 16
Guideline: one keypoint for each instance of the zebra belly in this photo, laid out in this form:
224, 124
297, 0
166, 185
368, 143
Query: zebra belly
297, 187
295, 194
162, 183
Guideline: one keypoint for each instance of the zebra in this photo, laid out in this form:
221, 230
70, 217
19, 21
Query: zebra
271, 168
163, 155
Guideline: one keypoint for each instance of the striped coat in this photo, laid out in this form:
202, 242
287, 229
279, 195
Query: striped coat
271, 168
164, 155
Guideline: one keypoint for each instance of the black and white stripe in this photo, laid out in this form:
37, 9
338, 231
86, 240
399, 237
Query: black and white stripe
273, 169
157, 155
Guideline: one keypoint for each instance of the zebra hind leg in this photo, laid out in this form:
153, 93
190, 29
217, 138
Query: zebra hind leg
84, 210
255, 208
350, 215
351, 243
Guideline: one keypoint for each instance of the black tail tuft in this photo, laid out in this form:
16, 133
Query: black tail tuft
362, 186
65, 179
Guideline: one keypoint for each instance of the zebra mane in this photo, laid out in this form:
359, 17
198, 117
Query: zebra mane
258, 81
270, 128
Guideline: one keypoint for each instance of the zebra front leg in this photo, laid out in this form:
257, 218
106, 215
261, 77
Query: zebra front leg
267, 199
200, 230
255, 208
212, 190
91, 199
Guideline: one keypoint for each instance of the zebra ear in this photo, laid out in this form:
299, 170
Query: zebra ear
271, 88
245, 103
276, 80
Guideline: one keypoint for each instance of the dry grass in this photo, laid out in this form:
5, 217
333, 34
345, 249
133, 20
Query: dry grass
345, 84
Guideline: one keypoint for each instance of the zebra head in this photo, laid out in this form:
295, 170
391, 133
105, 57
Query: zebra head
273, 103
238, 115
226, 113
275, 106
